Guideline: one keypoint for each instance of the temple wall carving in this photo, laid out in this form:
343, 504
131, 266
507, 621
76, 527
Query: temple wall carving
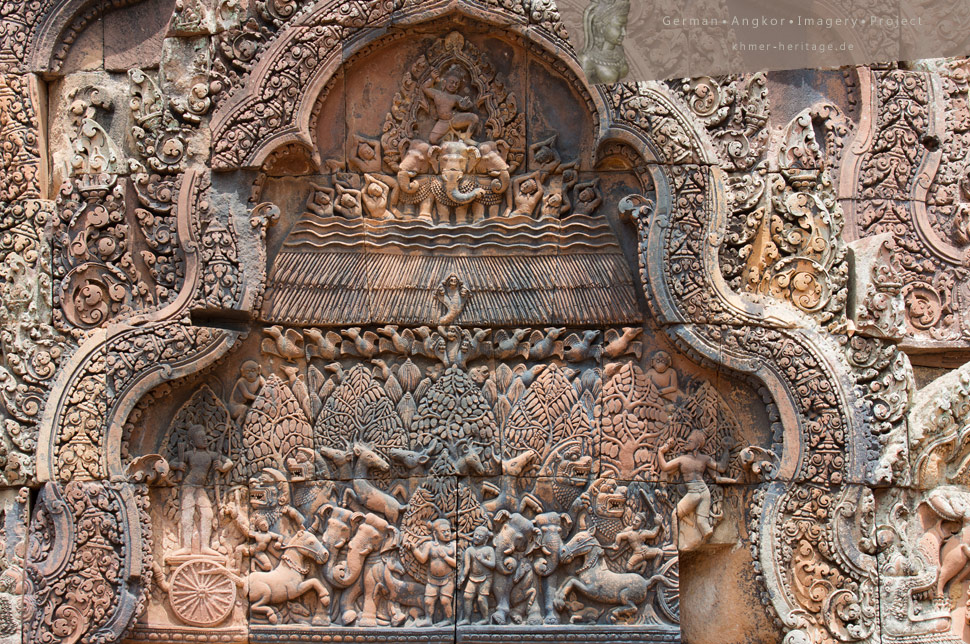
376, 321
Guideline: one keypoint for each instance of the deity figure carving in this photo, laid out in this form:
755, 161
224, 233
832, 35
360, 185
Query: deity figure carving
452, 294
694, 520
199, 465
452, 110
604, 28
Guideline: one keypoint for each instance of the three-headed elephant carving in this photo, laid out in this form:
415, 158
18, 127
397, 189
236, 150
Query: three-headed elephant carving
456, 190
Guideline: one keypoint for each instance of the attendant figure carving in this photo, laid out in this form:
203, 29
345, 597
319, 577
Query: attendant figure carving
638, 539
438, 551
263, 539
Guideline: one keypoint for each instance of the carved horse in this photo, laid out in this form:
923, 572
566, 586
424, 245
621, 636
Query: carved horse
288, 580
626, 591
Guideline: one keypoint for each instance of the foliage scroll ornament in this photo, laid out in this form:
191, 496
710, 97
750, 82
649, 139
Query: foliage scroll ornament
800, 366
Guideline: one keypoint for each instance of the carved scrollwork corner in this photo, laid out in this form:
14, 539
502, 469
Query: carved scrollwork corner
778, 341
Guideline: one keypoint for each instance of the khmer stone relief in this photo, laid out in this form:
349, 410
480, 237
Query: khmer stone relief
405, 321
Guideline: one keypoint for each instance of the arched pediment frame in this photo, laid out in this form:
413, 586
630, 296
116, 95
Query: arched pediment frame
820, 429
822, 426
276, 105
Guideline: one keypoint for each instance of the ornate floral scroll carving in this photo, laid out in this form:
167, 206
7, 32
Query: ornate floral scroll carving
734, 109
32, 346
907, 172
924, 526
88, 562
19, 131
786, 238
813, 383
157, 135
100, 274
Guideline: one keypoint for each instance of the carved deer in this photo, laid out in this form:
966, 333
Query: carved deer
364, 492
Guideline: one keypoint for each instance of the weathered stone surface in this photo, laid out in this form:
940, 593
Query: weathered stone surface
376, 321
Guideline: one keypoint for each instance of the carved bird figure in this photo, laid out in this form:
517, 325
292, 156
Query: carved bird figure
322, 345
288, 345
336, 369
381, 370
394, 342
528, 376
508, 345
610, 369
365, 344
577, 348
330, 383
298, 386
431, 345
546, 346
618, 345
475, 344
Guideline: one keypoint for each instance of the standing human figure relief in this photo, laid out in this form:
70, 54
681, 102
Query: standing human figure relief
478, 569
438, 551
694, 520
198, 463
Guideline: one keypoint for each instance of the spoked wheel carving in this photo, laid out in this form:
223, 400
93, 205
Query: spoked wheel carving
202, 592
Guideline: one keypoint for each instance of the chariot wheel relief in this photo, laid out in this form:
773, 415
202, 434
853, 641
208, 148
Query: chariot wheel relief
202, 593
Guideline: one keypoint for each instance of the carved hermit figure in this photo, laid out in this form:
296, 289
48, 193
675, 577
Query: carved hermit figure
198, 464
604, 24
246, 389
694, 509
663, 377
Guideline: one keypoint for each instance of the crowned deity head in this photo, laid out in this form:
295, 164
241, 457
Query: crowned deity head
603, 58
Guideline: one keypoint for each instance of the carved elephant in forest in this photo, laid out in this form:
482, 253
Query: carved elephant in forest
514, 541
359, 573
551, 526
